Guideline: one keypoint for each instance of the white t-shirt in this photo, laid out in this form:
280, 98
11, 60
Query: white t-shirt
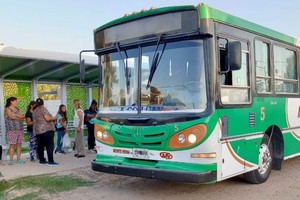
76, 118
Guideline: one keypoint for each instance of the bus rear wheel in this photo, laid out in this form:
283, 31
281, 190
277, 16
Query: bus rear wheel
262, 173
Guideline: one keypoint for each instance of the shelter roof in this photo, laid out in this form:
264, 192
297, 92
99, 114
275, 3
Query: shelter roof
27, 64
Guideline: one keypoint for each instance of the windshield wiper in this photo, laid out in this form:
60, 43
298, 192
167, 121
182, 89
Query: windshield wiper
155, 61
125, 66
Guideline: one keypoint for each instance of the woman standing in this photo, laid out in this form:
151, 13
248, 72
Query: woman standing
61, 127
1, 157
78, 125
43, 127
32, 136
14, 126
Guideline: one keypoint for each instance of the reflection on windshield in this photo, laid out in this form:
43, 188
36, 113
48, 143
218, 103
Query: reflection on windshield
177, 85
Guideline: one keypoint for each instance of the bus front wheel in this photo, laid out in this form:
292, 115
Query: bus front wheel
262, 173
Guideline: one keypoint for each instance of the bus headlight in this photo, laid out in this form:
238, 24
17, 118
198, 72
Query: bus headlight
188, 137
102, 135
105, 135
192, 138
99, 134
181, 138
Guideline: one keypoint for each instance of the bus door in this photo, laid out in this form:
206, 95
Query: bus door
234, 103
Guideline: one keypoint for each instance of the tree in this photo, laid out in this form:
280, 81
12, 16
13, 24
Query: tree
110, 78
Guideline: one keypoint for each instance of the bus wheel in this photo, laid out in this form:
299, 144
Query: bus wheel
261, 174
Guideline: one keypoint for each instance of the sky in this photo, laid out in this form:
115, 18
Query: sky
67, 25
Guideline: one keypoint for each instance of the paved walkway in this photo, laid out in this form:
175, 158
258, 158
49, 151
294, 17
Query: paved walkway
66, 162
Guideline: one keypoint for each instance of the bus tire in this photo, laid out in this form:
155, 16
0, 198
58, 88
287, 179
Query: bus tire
262, 173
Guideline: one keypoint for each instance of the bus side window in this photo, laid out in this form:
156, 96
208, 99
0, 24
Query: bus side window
234, 85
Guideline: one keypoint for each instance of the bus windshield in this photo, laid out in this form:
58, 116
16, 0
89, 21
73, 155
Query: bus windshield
178, 84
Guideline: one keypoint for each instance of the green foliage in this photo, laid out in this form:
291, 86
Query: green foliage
26, 137
30, 196
75, 92
20, 90
95, 94
42, 184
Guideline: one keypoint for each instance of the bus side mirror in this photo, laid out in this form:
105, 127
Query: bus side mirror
82, 71
234, 55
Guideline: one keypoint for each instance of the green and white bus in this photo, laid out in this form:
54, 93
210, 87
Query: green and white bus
193, 94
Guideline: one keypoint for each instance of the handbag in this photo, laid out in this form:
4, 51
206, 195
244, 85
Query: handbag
66, 140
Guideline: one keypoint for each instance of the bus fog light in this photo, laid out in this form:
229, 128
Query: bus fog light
192, 138
181, 138
204, 155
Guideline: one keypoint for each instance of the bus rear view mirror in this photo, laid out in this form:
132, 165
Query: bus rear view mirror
82, 65
82, 71
234, 55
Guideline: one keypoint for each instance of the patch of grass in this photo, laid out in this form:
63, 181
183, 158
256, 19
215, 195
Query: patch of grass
29, 196
3, 187
44, 184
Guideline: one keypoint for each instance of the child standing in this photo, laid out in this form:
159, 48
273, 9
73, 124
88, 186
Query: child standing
61, 127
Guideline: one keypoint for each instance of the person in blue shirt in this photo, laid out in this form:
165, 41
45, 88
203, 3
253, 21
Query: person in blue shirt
90, 115
61, 127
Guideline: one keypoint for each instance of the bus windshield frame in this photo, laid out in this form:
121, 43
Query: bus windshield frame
170, 23
179, 85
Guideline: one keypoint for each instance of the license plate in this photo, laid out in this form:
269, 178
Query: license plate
140, 153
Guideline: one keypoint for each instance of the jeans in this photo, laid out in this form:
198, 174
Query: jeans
32, 145
45, 140
91, 137
59, 142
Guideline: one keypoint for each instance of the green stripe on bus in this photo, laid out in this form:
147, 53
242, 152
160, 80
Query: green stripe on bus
207, 12
266, 110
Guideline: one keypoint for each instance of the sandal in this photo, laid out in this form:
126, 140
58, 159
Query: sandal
10, 162
20, 161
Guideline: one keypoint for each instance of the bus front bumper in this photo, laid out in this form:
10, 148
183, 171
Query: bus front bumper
170, 175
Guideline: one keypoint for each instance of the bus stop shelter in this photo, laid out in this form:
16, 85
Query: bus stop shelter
24, 71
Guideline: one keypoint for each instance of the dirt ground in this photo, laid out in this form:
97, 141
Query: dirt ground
281, 185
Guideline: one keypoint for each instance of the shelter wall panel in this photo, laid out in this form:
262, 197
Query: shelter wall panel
20, 90
75, 92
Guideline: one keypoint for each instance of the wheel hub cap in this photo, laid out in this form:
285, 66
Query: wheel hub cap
265, 159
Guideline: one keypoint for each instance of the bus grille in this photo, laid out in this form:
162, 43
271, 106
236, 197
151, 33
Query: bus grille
148, 138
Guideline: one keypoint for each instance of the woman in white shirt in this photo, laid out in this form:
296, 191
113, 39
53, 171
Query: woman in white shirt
79, 125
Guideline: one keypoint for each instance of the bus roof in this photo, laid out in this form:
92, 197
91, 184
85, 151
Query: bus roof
217, 15
207, 12
152, 11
